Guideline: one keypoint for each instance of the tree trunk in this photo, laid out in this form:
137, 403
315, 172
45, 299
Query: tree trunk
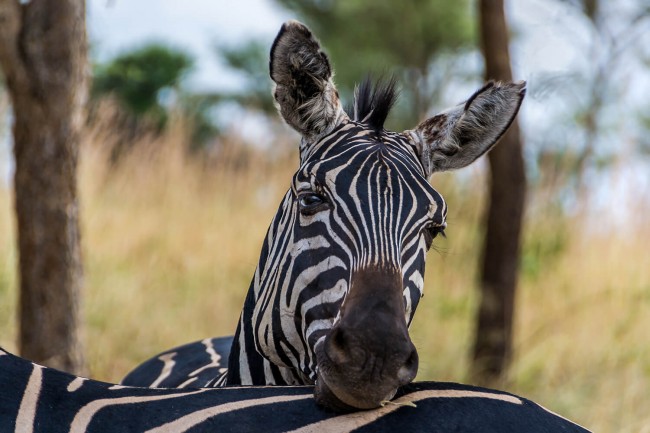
43, 57
493, 344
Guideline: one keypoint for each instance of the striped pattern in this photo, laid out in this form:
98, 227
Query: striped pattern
381, 206
195, 365
48, 401
381, 211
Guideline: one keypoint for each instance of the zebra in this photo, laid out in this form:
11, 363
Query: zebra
325, 306
36, 399
341, 271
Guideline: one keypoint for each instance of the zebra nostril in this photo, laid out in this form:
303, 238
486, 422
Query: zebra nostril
407, 372
335, 346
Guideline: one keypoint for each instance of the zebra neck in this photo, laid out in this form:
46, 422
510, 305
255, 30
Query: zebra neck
246, 366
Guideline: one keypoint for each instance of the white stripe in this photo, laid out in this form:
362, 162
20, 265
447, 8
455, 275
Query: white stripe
76, 384
187, 382
83, 418
188, 421
331, 295
244, 368
168, 360
360, 419
357, 202
27, 410
374, 241
215, 358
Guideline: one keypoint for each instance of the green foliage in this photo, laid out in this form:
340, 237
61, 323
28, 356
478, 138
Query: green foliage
138, 77
542, 247
142, 78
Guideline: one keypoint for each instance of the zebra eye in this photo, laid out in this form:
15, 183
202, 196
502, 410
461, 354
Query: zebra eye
310, 203
432, 231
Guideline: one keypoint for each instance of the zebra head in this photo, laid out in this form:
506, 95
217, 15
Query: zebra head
341, 270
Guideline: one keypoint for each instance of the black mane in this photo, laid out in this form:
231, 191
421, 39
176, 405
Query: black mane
373, 101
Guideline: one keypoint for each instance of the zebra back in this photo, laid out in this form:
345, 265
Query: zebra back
199, 364
39, 399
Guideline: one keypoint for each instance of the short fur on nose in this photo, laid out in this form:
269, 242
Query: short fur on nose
372, 333
392, 355
409, 369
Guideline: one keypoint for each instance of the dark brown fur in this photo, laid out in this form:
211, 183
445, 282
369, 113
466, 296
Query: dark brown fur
368, 354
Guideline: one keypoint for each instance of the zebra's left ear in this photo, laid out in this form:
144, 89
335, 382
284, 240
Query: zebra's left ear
304, 91
455, 138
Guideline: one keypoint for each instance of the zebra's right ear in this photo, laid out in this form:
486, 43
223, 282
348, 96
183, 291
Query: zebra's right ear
304, 91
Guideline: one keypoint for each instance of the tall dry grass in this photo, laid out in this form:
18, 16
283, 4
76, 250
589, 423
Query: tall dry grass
171, 242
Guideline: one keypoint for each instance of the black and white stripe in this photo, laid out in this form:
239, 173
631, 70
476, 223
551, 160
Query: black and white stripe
36, 399
200, 364
381, 205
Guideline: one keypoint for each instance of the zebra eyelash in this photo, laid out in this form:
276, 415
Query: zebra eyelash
432, 231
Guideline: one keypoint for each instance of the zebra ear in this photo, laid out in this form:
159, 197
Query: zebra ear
304, 91
455, 138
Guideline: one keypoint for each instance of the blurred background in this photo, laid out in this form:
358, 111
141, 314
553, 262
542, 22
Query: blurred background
183, 163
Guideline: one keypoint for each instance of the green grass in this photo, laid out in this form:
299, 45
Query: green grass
170, 245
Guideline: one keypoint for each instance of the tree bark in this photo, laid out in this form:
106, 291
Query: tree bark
500, 261
43, 57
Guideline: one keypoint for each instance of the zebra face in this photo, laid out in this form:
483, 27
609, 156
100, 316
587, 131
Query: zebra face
353, 235
341, 271
369, 216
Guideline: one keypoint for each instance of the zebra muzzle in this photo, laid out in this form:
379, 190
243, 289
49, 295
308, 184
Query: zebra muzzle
368, 354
